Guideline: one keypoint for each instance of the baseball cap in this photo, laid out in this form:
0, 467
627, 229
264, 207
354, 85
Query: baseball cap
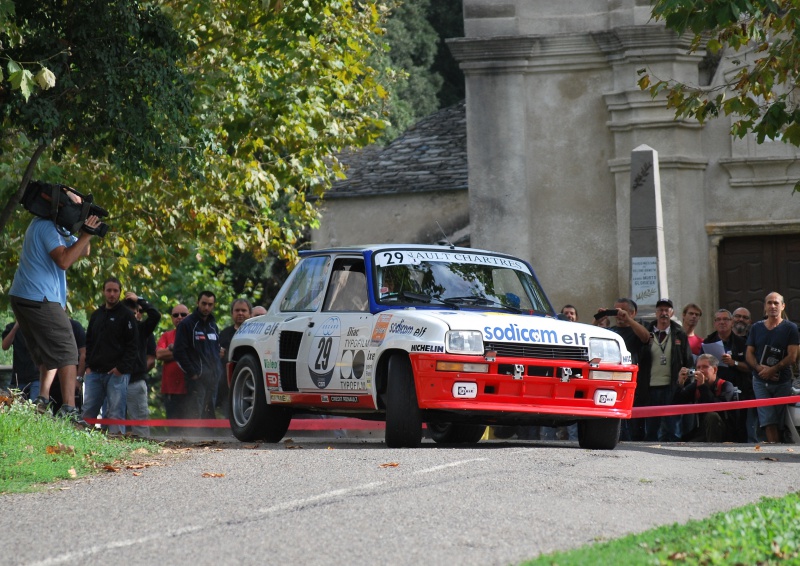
666, 302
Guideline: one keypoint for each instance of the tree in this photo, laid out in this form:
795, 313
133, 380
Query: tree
765, 36
117, 92
412, 43
447, 18
276, 92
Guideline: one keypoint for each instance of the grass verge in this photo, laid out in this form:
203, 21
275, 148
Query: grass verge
767, 532
39, 449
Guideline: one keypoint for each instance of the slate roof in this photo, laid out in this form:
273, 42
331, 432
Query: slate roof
430, 156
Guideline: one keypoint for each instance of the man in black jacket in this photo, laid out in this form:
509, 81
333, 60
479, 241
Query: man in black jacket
147, 317
660, 362
196, 350
111, 353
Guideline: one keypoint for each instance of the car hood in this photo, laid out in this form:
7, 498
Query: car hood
500, 326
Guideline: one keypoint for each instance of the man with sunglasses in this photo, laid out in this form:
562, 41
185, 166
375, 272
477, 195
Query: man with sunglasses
173, 384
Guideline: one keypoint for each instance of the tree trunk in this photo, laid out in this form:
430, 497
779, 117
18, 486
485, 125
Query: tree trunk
14, 199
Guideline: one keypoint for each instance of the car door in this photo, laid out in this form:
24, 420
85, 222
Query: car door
334, 349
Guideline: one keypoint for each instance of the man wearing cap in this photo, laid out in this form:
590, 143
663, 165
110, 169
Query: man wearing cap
660, 363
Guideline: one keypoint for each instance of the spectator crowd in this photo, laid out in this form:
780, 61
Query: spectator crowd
103, 370
118, 351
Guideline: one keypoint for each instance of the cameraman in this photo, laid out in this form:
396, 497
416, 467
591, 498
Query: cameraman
38, 298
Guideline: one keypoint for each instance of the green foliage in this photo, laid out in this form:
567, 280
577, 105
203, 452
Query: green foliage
761, 93
762, 533
274, 93
37, 449
447, 18
115, 91
413, 44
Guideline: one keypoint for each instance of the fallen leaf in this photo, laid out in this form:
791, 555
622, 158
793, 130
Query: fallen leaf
212, 475
390, 465
60, 449
72, 473
110, 468
137, 473
250, 446
288, 440
758, 447
136, 466
770, 459
293, 447
330, 447
677, 556
140, 451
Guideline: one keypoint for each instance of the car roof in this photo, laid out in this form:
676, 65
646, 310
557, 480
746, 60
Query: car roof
360, 249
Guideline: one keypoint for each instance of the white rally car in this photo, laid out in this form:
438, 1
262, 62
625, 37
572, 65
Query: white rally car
455, 338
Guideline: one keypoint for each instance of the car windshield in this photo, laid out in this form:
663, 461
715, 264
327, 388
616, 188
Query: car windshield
456, 280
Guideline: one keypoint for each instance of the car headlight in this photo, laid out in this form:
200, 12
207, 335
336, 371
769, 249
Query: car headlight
604, 349
464, 342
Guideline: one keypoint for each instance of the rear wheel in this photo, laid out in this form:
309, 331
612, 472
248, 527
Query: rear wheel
599, 434
250, 416
403, 416
450, 433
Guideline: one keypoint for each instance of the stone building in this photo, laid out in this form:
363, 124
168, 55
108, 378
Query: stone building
553, 112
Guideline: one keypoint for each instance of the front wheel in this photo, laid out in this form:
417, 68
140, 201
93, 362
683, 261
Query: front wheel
449, 433
250, 416
403, 416
599, 434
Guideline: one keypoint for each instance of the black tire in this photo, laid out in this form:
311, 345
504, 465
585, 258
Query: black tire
403, 417
250, 416
450, 433
599, 434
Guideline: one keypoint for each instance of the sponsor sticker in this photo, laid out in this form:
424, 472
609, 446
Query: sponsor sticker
344, 399
379, 332
427, 348
605, 397
465, 390
280, 398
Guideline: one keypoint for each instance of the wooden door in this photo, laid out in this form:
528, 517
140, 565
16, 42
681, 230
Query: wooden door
751, 267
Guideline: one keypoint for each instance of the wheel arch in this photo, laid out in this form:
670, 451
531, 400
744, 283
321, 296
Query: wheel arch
382, 373
239, 353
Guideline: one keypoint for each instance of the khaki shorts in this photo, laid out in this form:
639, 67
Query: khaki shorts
48, 332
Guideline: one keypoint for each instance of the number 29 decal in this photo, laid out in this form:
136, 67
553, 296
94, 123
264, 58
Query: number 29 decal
324, 352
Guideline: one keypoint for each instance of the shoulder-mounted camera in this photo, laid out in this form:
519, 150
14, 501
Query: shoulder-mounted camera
47, 200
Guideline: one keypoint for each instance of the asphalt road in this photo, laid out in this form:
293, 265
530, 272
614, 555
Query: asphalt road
354, 501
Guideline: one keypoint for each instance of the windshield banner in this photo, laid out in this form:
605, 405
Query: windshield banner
415, 257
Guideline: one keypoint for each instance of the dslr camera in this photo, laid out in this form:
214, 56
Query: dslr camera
47, 200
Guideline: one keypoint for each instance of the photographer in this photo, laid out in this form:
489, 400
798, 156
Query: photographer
38, 297
702, 385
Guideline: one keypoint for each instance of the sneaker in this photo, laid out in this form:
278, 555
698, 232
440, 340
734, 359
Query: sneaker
74, 415
42, 405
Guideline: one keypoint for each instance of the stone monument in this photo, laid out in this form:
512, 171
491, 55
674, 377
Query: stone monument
648, 252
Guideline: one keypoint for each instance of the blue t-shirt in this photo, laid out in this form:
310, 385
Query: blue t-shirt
38, 277
776, 341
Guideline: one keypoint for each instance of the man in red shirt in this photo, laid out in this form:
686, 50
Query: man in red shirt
173, 384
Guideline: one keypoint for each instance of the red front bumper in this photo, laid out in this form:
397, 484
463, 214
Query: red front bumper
531, 394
